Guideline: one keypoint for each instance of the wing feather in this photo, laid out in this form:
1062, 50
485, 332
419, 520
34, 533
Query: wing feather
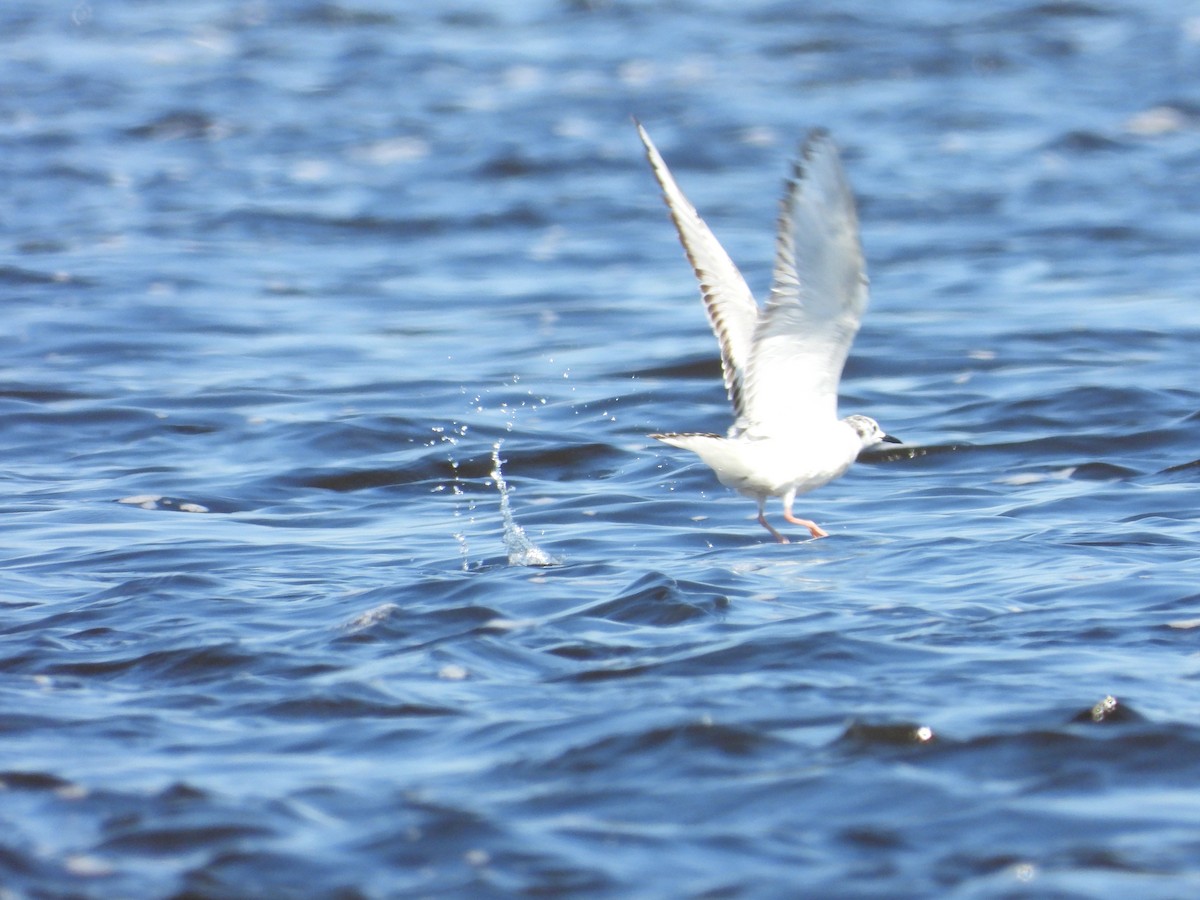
817, 300
732, 311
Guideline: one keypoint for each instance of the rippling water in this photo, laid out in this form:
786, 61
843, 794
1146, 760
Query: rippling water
292, 292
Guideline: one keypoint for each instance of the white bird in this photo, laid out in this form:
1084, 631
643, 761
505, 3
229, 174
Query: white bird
782, 362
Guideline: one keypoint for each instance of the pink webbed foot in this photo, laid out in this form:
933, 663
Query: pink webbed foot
813, 528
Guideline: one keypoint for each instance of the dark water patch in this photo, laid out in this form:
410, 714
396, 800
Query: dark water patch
1068, 450
431, 466
1189, 602
700, 745
185, 665
570, 461
364, 435
81, 423
342, 481
16, 276
148, 590
866, 736
161, 840
707, 368
1086, 142
587, 652
183, 124
1069, 9
425, 824
40, 395
340, 705
280, 224
827, 650
1136, 538
1067, 761
1103, 471
440, 616
337, 15
236, 873
1182, 473
908, 453
658, 600
32, 781
824, 651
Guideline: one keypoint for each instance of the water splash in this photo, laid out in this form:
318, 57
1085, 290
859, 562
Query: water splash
460, 536
521, 550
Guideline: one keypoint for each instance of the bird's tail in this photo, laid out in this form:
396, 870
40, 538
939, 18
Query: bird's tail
686, 440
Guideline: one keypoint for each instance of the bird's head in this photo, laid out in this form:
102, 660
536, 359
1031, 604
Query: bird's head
869, 432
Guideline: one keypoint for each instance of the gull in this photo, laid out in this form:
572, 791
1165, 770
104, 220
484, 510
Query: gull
782, 361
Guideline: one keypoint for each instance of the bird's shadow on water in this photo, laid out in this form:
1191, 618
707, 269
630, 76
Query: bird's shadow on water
906, 451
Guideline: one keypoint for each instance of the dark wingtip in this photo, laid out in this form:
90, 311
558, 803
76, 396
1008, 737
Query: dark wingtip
814, 138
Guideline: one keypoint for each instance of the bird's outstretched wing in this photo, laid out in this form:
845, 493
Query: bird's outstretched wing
818, 296
732, 310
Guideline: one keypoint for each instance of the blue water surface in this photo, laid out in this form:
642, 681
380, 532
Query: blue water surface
283, 281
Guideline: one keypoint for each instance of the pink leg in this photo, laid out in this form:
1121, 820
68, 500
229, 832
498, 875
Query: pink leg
813, 528
762, 520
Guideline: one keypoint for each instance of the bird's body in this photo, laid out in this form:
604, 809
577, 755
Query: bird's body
767, 466
782, 362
